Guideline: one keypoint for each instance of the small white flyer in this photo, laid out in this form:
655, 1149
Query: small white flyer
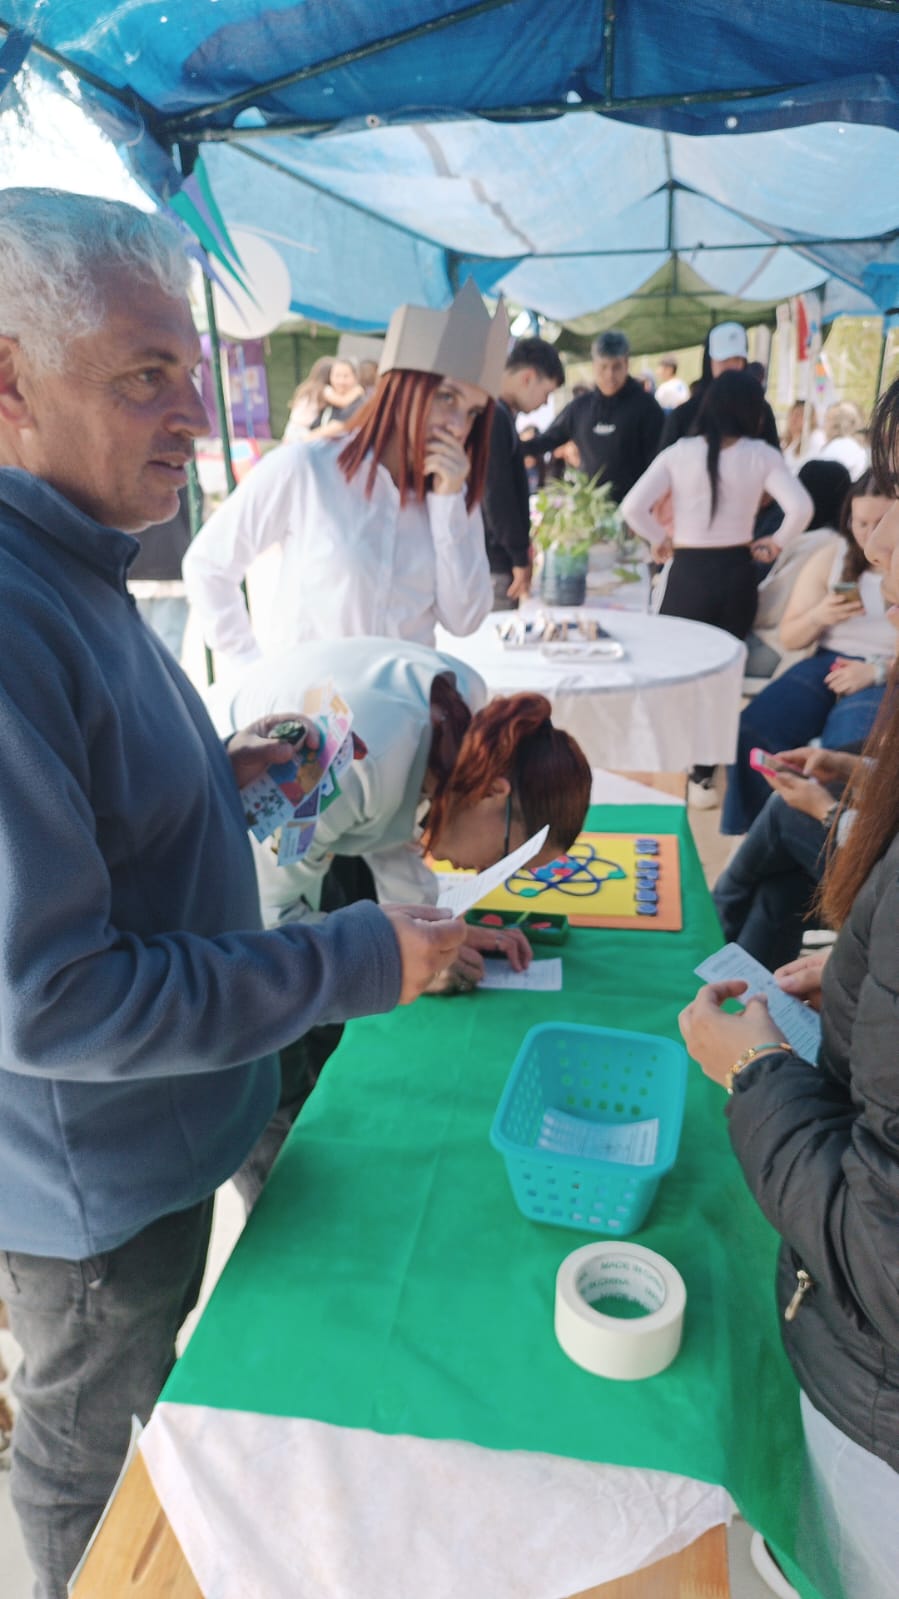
625, 1143
459, 893
800, 1025
541, 977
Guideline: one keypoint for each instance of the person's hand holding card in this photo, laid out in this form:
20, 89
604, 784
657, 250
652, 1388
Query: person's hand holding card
255, 748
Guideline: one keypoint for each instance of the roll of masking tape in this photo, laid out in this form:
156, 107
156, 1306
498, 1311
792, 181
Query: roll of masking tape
619, 1310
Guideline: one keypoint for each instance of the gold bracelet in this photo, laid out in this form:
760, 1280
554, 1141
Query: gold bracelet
750, 1054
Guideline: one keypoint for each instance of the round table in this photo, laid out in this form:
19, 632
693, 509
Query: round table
672, 702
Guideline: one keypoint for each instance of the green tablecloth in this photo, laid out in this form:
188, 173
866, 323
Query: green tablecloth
386, 1279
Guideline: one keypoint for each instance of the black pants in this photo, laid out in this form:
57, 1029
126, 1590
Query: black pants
713, 586
348, 880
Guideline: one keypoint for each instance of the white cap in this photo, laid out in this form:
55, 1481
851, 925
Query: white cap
727, 340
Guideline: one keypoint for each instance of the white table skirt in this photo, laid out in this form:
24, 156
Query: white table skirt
673, 701
266, 1506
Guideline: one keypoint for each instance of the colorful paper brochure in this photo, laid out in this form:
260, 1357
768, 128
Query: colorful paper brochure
288, 799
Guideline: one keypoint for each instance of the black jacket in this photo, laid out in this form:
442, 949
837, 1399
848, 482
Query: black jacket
617, 436
505, 506
820, 1151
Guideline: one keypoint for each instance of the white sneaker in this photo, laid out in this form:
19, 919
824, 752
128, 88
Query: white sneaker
702, 796
768, 1569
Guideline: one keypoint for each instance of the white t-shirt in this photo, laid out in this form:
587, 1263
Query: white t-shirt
350, 565
849, 453
671, 393
746, 470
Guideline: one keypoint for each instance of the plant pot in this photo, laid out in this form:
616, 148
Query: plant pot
564, 578
603, 557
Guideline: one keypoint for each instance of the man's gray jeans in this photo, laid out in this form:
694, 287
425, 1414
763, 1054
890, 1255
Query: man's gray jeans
98, 1338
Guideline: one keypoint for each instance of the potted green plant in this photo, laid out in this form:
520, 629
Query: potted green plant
571, 514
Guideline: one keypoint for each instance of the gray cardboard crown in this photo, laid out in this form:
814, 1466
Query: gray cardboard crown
464, 342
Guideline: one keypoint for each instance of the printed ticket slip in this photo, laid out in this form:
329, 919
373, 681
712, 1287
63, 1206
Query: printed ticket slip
800, 1025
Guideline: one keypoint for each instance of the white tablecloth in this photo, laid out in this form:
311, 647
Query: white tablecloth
267, 1507
671, 703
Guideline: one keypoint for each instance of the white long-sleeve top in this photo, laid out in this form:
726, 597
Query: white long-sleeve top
349, 565
746, 469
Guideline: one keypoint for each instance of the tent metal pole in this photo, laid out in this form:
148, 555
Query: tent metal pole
868, 5
187, 160
125, 97
221, 412
519, 113
608, 45
189, 119
195, 513
884, 341
221, 409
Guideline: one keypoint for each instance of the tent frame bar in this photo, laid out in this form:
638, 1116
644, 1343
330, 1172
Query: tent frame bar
128, 98
186, 121
525, 113
687, 250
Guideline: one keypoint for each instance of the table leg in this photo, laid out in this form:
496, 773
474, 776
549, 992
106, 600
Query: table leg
136, 1552
697, 1572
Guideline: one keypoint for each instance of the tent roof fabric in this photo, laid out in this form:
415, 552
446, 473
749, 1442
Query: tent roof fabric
445, 139
199, 65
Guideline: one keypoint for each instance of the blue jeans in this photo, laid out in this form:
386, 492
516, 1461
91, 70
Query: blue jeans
764, 894
791, 711
98, 1338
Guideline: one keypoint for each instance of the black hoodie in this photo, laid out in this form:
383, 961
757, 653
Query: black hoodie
617, 435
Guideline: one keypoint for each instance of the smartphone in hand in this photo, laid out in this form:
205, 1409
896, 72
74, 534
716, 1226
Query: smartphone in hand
762, 761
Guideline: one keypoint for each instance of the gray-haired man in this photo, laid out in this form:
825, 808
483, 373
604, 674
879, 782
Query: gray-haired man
140, 1001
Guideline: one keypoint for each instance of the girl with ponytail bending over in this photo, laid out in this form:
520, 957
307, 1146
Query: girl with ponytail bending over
443, 774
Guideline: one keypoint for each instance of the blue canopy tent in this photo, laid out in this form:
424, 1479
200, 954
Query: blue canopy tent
402, 146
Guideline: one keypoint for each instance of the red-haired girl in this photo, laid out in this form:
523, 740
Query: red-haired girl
379, 529
439, 774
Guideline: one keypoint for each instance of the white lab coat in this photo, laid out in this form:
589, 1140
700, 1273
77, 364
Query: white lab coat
387, 686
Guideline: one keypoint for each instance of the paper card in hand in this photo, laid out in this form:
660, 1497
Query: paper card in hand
292, 795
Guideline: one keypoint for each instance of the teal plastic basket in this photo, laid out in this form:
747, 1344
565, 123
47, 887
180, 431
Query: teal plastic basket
597, 1075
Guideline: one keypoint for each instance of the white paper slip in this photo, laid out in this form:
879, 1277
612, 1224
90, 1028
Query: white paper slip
541, 977
459, 894
625, 1143
800, 1026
